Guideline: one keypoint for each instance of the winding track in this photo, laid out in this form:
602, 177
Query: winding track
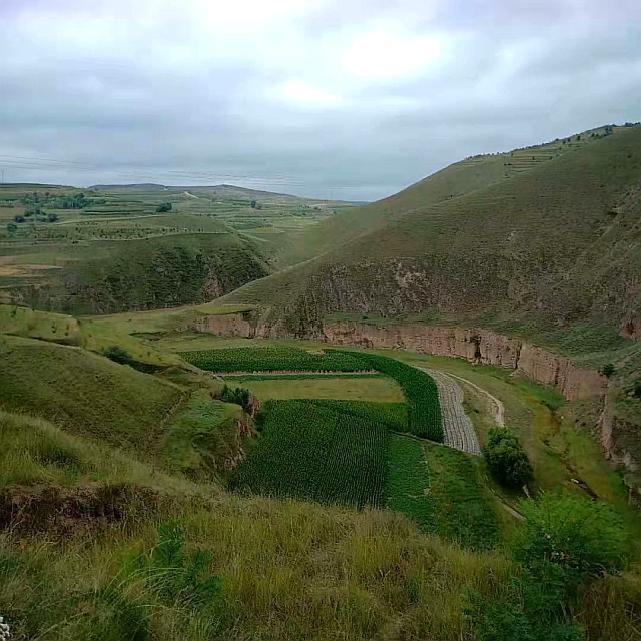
458, 429
499, 409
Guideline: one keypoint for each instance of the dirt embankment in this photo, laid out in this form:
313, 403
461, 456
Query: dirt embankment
480, 346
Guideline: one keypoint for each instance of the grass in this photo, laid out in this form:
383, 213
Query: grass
30, 323
356, 388
86, 394
35, 452
288, 570
203, 438
465, 512
407, 487
335, 456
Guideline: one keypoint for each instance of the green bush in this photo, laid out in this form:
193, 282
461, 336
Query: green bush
117, 354
565, 541
608, 370
506, 459
237, 395
584, 538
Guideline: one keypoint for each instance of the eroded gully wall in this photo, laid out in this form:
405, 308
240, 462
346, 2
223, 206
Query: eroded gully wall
575, 383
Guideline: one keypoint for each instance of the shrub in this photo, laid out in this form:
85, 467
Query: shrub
506, 459
582, 537
608, 370
117, 354
237, 395
163, 207
52, 218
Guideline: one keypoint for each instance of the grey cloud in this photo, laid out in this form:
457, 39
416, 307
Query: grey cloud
141, 91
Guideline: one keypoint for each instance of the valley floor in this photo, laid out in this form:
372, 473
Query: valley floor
190, 514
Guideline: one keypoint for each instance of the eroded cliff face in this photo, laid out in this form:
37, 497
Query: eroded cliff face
480, 346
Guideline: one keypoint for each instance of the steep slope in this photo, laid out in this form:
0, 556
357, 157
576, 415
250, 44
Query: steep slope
86, 394
143, 274
549, 245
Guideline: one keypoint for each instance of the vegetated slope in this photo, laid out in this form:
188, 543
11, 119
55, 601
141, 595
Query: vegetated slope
85, 394
454, 181
550, 244
35, 452
146, 274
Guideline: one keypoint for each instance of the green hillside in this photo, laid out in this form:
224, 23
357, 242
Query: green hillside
550, 242
119, 247
84, 393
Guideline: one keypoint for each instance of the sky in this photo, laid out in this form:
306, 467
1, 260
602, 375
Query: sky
350, 99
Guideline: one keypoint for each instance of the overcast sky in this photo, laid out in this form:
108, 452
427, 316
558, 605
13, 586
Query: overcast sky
350, 99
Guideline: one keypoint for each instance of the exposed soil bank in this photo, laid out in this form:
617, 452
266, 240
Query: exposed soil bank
479, 346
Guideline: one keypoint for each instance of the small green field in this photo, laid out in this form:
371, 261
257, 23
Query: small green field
347, 387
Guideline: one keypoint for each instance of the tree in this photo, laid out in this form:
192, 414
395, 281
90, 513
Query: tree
506, 459
237, 395
52, 217
163, 207
19, 218
12, 228
252, 204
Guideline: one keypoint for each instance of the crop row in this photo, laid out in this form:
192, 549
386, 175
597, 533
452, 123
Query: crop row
421, 393
266, 359
326, 451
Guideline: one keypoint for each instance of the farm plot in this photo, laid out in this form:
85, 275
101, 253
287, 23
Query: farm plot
359, 387
458, 430
326, 451
464, 507
272, 359
407, 486
420, 391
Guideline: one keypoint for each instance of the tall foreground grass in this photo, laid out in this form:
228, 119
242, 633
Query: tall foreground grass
261, 569
284, 570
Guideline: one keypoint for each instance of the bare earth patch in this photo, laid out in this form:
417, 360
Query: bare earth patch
458, 429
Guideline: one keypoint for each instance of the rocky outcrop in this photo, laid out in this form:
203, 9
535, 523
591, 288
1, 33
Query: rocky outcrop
479, 346
226, 325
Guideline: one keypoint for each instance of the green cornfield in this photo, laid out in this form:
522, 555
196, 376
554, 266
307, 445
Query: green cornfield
331, 452
421, 393
273, 359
